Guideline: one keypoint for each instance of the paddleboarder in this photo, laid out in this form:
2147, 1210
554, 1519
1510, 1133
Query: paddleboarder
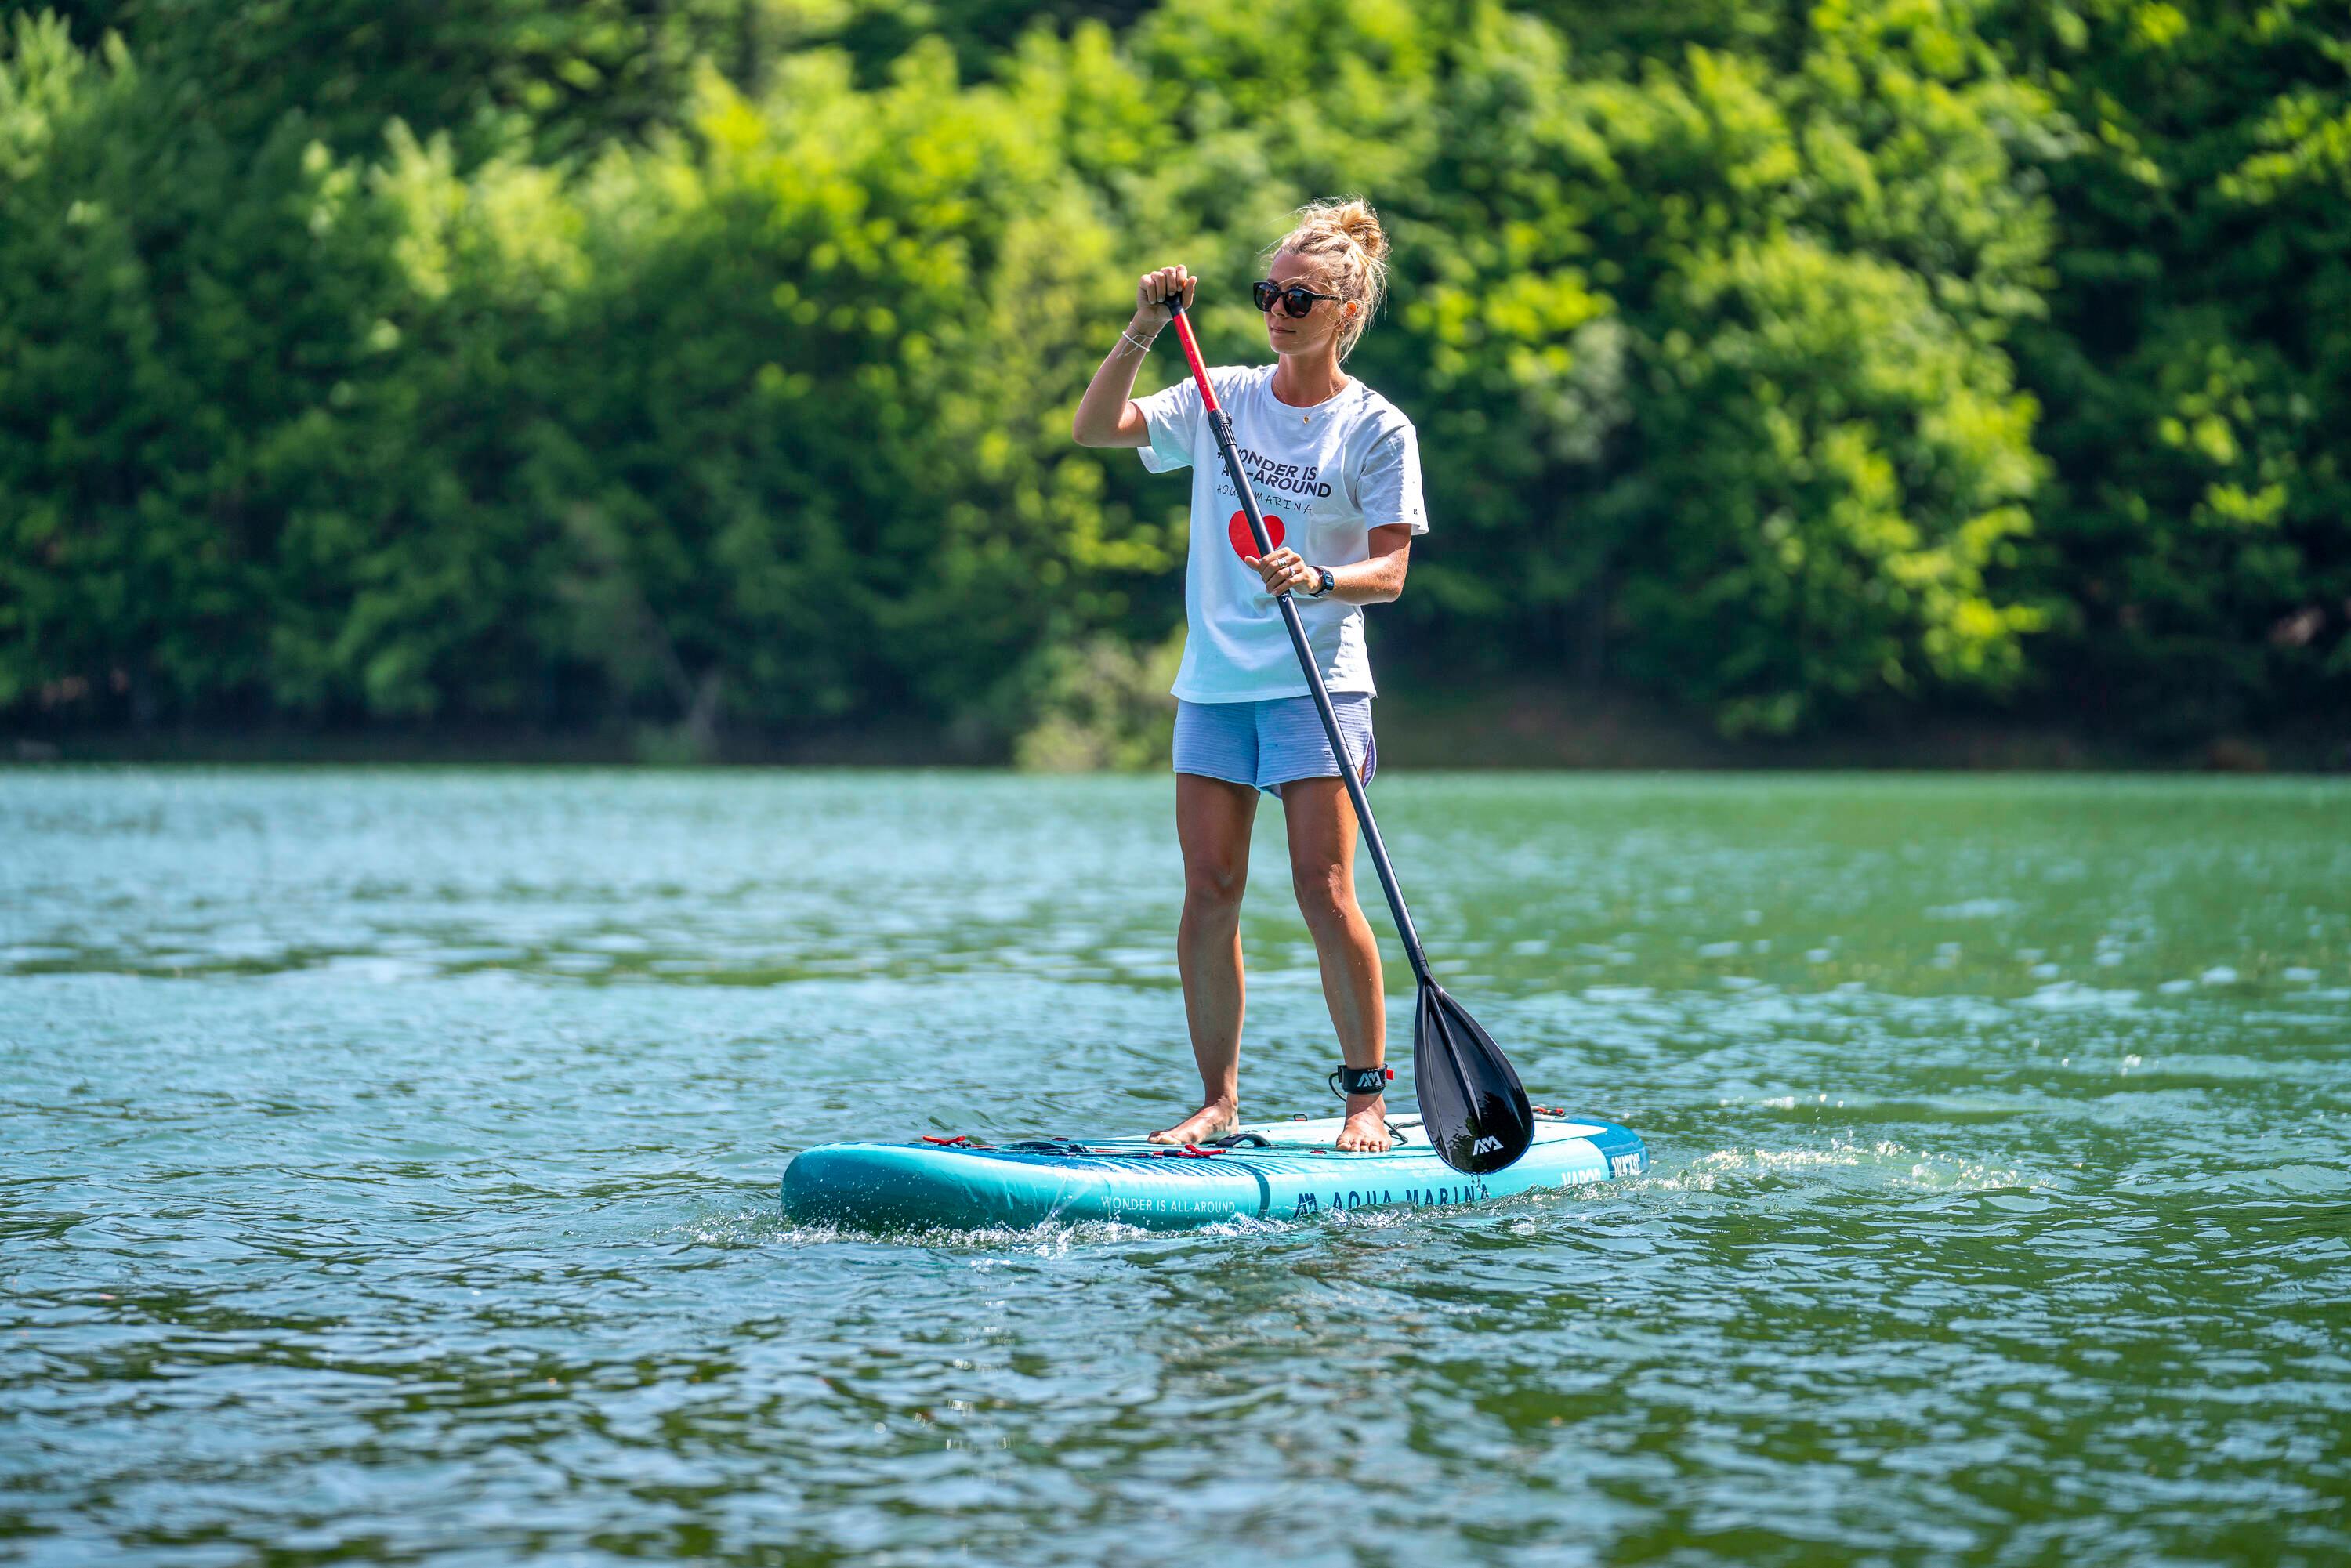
1337, 470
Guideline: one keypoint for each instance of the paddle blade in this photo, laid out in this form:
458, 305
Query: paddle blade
1472, 1106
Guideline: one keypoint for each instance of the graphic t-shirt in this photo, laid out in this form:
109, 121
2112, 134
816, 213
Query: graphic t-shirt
1325, 477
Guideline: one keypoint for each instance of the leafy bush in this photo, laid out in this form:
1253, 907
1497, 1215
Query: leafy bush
1105, 706
707, 365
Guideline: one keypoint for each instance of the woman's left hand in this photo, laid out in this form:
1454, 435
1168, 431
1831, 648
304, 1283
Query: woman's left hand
1283, 569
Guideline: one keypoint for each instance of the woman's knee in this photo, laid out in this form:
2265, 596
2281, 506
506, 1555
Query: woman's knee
1326, 896
1213, 885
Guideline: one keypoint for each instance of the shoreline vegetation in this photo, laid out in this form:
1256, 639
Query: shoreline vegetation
1528, 727
657, 377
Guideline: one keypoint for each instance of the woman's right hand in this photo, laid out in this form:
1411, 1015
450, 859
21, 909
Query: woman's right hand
1153, 291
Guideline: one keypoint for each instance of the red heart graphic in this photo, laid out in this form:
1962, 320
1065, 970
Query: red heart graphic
1245, 547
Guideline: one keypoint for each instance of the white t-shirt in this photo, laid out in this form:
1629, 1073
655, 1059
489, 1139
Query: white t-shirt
1325, 477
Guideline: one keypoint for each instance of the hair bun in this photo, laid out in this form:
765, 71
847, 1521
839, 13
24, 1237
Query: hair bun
1356, 220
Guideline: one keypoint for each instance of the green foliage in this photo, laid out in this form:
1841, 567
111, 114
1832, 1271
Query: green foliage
1104, 706
494, 74
706, 365
2195, 361
1706, 354
181, 320
760, 411
523, 74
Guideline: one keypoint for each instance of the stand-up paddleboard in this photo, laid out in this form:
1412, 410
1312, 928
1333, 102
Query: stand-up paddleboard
1269, 1170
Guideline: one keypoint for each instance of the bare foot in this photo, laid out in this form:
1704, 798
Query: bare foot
1367, 1124
1212, 1120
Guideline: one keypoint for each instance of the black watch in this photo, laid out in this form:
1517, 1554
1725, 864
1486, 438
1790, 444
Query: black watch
1329, 582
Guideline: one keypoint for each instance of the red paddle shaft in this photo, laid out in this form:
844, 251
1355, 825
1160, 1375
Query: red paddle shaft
1222, 428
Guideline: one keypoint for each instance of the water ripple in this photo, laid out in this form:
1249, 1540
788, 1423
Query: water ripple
388, 1162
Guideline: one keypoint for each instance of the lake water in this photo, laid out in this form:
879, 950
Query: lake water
387, 1167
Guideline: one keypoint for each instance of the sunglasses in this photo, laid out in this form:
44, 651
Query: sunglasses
1297, 299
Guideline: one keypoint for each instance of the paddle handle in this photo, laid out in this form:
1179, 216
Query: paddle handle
1222, 428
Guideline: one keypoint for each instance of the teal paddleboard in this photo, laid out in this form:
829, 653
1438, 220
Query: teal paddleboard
1275, 1170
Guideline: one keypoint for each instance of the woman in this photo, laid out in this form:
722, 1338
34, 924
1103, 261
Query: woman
1337, 472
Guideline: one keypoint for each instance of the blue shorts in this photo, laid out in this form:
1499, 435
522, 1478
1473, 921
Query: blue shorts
1266, 744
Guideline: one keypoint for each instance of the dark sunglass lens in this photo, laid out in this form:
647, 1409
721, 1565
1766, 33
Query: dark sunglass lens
1265, 295
1297, 300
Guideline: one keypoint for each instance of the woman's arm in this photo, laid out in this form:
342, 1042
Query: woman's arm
1106, 414
1376, 581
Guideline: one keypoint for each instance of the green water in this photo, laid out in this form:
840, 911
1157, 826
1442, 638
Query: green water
388, 1170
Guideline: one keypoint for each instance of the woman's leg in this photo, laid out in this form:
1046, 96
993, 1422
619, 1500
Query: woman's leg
1321, 822
1212, 822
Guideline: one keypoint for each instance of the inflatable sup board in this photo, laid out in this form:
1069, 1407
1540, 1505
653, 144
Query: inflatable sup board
1267, 1170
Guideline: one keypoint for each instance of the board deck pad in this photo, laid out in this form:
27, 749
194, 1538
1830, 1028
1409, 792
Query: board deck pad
1298, 1174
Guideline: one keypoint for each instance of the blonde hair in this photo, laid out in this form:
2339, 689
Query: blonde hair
1346, 238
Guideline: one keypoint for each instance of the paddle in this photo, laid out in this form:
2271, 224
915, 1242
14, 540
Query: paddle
1472, 1106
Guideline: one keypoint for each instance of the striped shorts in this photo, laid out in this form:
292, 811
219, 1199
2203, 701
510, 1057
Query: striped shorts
1266, 744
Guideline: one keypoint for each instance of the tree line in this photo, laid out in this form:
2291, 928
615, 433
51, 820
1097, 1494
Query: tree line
708, 363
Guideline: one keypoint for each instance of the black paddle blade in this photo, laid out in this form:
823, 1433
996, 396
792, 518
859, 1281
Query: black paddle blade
1472, 1106
1471, 1099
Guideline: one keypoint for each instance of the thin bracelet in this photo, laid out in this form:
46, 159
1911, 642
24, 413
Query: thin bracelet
1131, 339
